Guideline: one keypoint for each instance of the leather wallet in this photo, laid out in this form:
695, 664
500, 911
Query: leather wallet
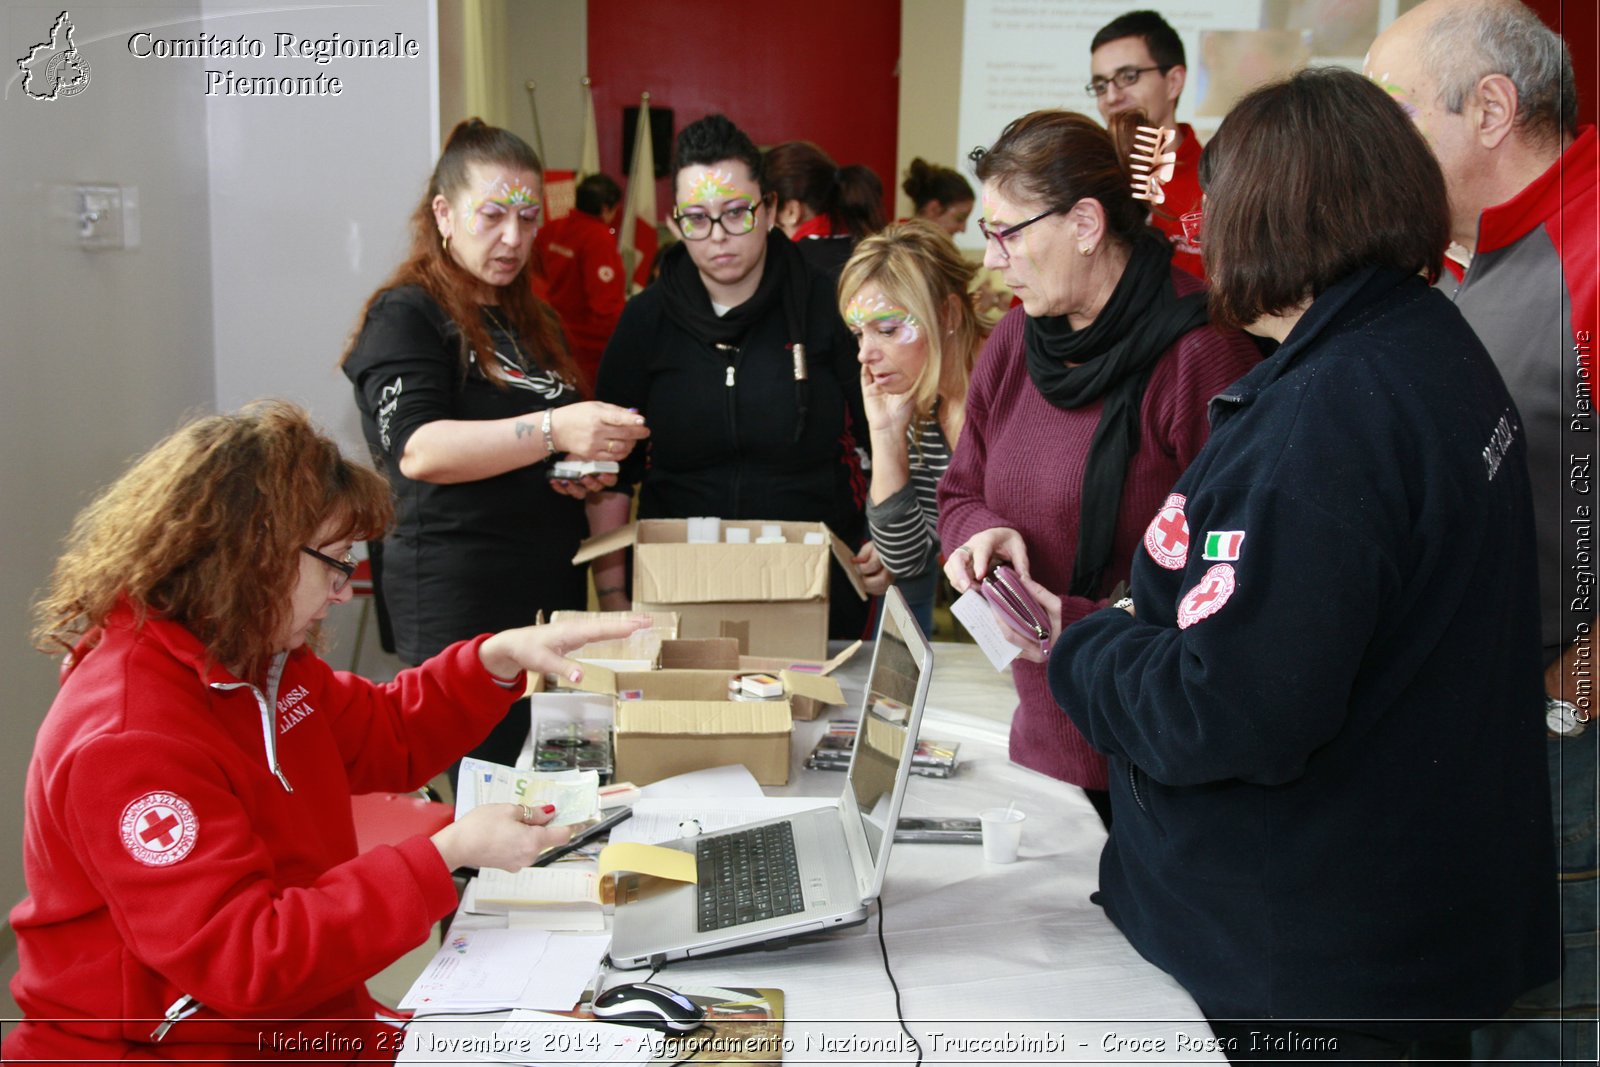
1015, 605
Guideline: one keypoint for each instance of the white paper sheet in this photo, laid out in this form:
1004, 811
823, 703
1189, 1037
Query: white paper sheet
560, 975
477, 968
658, 820
733, 780
977, 616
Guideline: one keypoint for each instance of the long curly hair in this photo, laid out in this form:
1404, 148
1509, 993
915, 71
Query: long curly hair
206, 528
430, 266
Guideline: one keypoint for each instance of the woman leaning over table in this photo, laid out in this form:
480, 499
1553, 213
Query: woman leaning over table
1089, 400
467, 394
1325, 714
188, 841
903, 294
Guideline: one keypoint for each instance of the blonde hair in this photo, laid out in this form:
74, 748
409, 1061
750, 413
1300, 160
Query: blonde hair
206, 529
916, 264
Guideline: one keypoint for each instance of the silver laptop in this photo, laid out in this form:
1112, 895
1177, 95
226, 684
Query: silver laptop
801, 873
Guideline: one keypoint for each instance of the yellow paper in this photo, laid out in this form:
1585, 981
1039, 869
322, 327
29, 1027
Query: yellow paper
648, 859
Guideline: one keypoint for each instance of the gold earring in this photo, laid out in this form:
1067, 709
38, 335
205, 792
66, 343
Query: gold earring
1085, 250
445, 243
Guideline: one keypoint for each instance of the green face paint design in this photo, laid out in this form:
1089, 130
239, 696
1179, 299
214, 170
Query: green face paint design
1400, 96
495, 199
712, 187
893, 323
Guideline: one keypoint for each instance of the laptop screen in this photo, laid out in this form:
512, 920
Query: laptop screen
894, 686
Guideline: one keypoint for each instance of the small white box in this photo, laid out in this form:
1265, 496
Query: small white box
705, 531
737, 535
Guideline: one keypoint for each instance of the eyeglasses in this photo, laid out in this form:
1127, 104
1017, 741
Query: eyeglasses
1192, 224
999, 237
346, 567
737, 220
1126, 78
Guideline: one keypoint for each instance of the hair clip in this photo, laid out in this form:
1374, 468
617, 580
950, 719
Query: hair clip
1152, 162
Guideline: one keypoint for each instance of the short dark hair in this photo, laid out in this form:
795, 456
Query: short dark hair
596, 193
1166, 47
1309, 180
1062, 157
711, 140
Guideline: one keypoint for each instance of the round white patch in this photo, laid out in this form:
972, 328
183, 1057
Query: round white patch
605, 272
1167, 536
1207, 598
159, 829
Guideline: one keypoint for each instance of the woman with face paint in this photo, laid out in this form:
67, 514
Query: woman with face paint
904, 297
1089, 400
741, 363
467, 396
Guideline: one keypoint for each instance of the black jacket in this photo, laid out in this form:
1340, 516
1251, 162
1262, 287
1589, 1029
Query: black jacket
722, 425
1325, 724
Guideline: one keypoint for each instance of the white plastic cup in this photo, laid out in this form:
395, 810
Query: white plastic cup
1002, 833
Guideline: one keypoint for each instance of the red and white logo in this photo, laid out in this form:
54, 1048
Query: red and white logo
1207, 598
159, 829
1167, 536
605, 272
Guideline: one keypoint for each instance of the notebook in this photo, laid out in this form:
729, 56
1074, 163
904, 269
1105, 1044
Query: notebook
822, 868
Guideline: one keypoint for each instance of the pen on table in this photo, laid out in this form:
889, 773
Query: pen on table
583, 837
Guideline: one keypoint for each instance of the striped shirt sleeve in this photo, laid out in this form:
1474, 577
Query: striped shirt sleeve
904, 527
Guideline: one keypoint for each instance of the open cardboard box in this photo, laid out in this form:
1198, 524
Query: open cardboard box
773, 599
671, 721
722, 654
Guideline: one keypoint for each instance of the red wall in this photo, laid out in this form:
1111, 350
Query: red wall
1575, 21
822, 72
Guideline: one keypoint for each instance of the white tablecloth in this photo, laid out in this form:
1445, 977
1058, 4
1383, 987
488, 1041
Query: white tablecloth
996, 964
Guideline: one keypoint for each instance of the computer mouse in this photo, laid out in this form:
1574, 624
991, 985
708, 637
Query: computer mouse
647, 1004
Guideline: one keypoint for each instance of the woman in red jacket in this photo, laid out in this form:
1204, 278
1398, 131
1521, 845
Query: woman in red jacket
194, 887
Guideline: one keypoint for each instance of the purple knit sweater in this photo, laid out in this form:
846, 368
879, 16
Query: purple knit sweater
1020, 464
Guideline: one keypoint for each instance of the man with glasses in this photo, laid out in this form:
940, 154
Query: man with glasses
1136, 61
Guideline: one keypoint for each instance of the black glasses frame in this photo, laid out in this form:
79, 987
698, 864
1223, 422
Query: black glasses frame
345, 567
713, 221
1125, 77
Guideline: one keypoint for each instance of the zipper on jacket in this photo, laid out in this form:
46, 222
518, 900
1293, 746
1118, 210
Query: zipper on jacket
1133, 784
731, 352
267, 704
176, 1012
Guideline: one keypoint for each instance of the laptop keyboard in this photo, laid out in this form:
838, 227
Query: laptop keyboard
748, 876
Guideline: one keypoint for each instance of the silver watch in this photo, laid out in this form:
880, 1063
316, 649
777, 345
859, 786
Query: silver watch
1564, 718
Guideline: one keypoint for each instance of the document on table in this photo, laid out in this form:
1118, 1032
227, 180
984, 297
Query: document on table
495, 968
655, 821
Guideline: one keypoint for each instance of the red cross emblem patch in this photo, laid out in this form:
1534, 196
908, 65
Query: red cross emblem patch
159, 829
1207, 598
1167, 536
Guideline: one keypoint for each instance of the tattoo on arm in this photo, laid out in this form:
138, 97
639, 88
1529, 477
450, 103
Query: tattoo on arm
524, 429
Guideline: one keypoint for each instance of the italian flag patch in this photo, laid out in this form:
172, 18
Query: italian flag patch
1223, 544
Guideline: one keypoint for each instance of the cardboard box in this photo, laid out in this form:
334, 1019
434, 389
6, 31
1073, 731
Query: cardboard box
806, 702
682, 720
771, 598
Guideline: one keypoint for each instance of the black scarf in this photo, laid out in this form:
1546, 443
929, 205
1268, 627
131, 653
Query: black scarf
783, 277
1115, 355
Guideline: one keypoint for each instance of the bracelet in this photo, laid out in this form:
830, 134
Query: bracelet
1124, 604
549, 439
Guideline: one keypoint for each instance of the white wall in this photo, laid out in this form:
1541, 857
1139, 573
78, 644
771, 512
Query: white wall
103, 352
309, 199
